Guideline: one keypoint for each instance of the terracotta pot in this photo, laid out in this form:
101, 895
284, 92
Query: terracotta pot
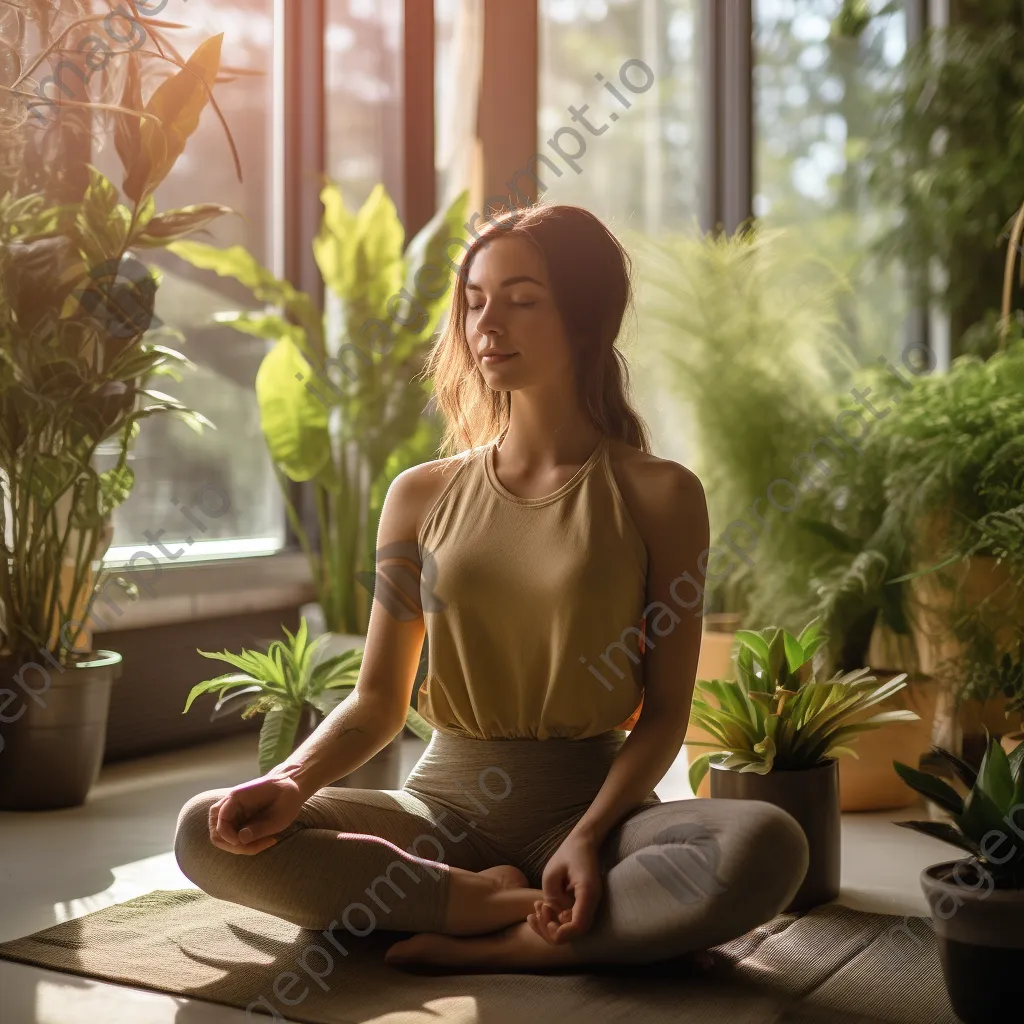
811, 796
715, 662
981, 944
869, 782
971, 581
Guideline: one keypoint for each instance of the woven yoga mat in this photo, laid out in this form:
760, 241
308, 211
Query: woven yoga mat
831, 964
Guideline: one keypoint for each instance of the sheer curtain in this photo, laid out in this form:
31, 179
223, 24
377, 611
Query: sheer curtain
459, 62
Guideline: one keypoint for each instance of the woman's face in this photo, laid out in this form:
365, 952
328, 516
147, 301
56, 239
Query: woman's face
511, 309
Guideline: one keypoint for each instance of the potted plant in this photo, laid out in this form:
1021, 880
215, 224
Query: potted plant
346, 417
293, 689
977, 902
778, 734
76, 359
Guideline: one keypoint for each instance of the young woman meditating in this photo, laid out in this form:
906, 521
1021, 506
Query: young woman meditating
560, 569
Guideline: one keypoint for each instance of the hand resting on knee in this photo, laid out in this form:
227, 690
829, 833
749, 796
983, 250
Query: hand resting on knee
245, 820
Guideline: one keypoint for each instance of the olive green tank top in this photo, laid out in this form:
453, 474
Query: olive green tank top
533, 607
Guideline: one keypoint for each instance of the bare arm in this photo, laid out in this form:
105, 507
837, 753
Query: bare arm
677, 533
375, 711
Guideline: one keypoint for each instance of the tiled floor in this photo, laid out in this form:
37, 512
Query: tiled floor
63, 864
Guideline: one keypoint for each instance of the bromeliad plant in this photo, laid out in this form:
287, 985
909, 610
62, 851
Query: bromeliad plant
283, 684
995, 791
776, 716
342, 400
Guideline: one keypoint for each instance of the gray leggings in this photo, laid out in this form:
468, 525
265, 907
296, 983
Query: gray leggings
678, 876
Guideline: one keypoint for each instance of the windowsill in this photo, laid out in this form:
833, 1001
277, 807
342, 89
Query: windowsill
202, 590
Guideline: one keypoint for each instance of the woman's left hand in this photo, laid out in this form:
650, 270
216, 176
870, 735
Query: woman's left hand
572, 891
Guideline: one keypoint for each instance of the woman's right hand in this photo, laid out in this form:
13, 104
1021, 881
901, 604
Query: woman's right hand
245, 819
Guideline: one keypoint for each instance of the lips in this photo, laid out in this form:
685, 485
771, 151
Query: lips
498, 357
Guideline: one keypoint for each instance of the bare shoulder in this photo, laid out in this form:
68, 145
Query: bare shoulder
657, 492
414, 491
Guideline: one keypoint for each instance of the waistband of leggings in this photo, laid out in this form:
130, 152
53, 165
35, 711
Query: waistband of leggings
450, 746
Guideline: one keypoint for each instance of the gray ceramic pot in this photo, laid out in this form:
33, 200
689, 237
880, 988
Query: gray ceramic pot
53, 728
981, 941
810, 795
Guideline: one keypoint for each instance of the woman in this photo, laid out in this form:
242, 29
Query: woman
558, 568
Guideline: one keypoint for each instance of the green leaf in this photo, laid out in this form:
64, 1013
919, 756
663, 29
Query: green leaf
427, 266
177, 104
755, 643
995, 776
277, 736
419, 725
931, 787
294, 421
698, 769
944, 831
335, 245
981, 815
178, 224
967, 775
219, 683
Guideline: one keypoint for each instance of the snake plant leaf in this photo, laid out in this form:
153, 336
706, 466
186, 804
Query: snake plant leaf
931, 787
1017, 768
294, 420
277, 735
944, 831
965, 773
981, 814
996, 778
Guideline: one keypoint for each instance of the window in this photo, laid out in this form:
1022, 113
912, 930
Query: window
214, 494
635, 63
817, 78
364, 83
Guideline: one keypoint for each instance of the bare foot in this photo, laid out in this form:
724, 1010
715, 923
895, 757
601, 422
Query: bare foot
515, 948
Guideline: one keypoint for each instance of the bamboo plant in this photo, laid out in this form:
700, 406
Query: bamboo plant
341, 408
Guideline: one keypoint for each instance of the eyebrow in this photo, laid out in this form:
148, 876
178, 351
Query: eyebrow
473, 286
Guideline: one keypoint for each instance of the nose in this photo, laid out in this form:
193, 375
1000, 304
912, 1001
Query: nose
488, 323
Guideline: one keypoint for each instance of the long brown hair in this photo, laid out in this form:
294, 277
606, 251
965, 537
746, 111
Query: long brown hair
591, 278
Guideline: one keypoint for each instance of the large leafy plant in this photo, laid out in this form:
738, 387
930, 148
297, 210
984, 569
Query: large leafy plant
290, 679
776, 716
77, 353
341, 405
995, 793
960, 84
747, 330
